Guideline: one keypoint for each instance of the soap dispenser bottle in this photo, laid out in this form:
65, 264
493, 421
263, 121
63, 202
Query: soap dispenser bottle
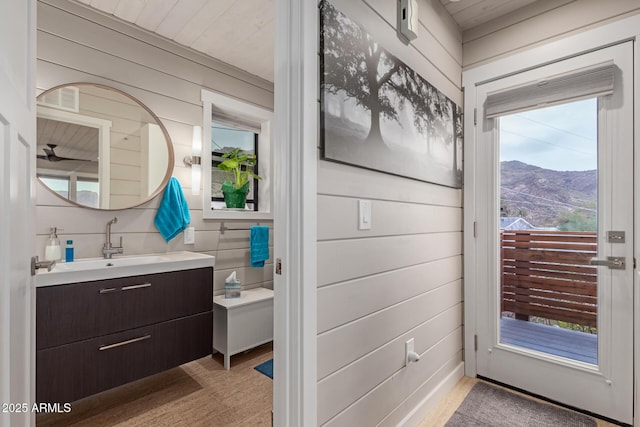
52, 251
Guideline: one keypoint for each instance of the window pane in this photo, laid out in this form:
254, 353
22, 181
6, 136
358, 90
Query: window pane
225, 138
88, 192
59, 185
548, 230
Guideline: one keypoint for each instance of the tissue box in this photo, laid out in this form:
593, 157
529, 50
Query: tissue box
232, 290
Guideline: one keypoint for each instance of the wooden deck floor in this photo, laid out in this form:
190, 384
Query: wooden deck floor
549, 339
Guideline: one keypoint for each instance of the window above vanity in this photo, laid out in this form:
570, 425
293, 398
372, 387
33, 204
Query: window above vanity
230, 123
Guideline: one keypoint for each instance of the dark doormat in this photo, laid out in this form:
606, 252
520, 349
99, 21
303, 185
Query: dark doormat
266, 368
490, 406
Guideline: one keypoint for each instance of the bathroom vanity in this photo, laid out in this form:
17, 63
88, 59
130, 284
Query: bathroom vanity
99, 325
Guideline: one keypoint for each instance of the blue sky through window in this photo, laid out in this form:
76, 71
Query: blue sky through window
561, 137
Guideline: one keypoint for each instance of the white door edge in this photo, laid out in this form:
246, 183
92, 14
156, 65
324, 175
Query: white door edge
636, 221
17, 195
295, 165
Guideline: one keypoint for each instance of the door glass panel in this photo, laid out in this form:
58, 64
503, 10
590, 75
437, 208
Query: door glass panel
548, 230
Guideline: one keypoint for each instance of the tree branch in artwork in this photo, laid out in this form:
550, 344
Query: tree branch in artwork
377, 81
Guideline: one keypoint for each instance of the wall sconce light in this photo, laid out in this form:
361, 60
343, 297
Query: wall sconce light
194, 160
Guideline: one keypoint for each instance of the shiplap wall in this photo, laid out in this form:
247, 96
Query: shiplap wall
537, 23
125, 156
403, 278
79, 45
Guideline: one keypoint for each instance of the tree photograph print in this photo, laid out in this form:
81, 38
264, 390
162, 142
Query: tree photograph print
378, 113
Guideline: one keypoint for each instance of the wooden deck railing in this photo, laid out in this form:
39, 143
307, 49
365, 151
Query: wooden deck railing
547, 274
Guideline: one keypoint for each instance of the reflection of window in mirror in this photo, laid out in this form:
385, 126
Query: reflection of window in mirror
225, 138
229, 123
82, 190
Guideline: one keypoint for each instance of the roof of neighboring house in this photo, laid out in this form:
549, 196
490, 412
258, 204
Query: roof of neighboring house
515, 223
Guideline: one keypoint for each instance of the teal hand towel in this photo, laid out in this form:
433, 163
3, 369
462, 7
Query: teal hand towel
259, 245
173, 214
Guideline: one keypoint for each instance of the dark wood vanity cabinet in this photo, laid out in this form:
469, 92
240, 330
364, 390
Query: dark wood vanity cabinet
94, 336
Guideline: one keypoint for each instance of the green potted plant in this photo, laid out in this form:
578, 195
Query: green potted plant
238, 166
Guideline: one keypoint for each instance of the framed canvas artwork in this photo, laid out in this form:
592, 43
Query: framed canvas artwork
378, 113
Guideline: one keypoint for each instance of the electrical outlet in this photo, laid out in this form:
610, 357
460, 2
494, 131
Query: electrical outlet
408, 348
189, 236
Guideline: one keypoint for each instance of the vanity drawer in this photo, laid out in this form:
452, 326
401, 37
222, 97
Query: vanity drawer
79, 311
69, 372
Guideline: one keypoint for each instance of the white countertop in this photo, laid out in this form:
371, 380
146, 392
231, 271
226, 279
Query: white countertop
90, 269
246, 297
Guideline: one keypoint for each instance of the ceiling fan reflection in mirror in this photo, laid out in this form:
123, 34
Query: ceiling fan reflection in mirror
51, 156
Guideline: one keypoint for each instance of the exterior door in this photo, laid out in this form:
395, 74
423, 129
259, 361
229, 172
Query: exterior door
555, 233
17, 178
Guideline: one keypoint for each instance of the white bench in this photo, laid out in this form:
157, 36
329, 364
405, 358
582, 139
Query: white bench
242, 323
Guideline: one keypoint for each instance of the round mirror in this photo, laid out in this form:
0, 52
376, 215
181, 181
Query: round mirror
101, 148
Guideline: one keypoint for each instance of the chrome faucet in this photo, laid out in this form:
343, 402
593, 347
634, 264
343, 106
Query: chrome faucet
108, 249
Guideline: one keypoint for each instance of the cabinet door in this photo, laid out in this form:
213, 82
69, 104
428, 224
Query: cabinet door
249, 326
69, 372
75, 312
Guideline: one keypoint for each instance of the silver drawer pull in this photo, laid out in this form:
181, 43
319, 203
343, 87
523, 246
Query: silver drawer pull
140, 286
125, 288
120, 344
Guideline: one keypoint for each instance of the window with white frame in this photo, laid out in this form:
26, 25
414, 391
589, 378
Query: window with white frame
229, 123
225, 138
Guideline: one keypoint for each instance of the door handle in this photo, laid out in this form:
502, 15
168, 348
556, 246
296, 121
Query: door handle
614, 263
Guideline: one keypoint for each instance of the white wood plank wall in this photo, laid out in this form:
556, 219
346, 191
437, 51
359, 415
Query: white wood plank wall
537, 23
79, 45
403, 278
125, 155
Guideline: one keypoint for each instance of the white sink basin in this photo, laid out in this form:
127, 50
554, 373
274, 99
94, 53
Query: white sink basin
90, 269
98, 263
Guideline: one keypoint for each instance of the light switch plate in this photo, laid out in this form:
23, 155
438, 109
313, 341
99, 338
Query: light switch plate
189, 236
364, 214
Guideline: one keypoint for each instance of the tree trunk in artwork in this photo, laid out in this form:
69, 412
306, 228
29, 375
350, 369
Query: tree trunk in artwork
373, 102
375, 136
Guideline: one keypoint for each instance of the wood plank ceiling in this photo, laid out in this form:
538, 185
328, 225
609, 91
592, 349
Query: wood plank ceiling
242, 32
471, 13
238, 32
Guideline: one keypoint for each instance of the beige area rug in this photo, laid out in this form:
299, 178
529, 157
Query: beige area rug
490, 406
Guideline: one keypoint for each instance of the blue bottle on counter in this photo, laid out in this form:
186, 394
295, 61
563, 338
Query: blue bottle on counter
68, 252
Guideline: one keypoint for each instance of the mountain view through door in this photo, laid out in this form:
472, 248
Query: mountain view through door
548, 224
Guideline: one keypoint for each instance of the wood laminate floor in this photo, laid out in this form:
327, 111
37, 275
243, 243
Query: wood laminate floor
200, 393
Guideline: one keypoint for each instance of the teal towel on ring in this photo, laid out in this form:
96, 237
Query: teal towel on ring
259, 245
173, 214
